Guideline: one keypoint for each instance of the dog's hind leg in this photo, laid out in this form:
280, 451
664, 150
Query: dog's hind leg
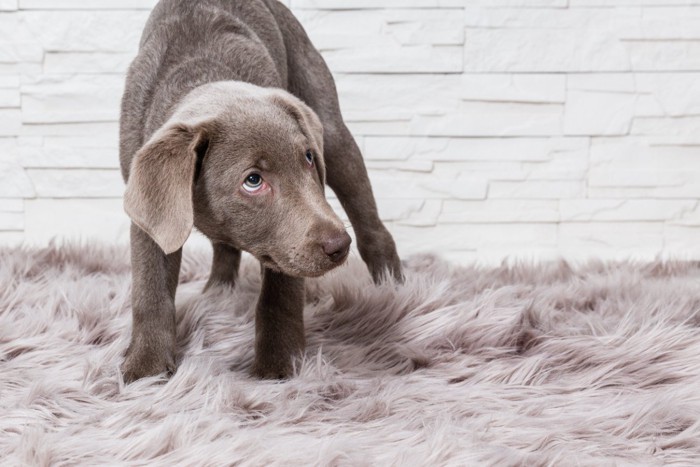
310, 80
224, 266
347, 176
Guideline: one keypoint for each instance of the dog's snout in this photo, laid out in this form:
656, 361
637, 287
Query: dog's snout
337, 246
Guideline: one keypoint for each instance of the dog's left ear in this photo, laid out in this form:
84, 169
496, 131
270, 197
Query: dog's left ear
310, 125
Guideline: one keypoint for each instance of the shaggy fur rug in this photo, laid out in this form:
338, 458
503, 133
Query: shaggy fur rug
515, 365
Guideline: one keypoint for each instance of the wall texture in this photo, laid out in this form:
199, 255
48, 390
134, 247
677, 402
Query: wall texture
527, 128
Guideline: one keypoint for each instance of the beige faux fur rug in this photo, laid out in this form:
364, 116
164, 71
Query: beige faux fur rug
520, 365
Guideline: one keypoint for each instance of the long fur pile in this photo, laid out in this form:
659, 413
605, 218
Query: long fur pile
515, 365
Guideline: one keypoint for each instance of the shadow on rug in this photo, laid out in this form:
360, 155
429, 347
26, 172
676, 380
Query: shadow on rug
519, 365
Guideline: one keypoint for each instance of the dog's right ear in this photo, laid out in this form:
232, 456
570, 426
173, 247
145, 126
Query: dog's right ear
159, 190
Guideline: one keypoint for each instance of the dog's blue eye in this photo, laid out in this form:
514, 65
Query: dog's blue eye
309, 157
253, 182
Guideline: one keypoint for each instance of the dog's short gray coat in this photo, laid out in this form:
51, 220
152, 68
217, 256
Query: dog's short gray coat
221, 93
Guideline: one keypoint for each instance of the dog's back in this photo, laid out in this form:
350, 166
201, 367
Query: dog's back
189, 43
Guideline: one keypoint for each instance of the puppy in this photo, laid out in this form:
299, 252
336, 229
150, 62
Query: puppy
230, 123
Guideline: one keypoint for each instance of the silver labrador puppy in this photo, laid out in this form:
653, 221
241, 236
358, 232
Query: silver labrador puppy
230, 123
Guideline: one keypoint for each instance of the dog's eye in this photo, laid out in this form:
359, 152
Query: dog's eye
253, 182
309, 157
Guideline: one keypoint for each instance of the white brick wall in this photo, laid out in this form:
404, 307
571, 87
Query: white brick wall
526, 128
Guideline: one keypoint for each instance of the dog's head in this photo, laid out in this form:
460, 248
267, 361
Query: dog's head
244, 165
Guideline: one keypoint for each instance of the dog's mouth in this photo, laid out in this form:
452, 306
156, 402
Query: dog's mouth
268, 262
293, 268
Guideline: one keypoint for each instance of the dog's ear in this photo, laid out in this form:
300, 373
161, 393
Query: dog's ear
159, 190
313, 123
310, 125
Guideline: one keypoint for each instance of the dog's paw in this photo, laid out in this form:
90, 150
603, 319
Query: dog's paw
272, 370
142, 361
387, 268
379, 253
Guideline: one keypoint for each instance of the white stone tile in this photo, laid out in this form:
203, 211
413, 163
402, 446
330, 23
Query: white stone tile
480, 170
77, 183
10, 121
685, 191
521, 88
391, 97
411, 165
621, 238
12, 238
87, 4
87, 62
76, 219
98, 139
392, 210
660, 21
598, 113
614, 3
70, 152
84, 30
518, 3
17, 69
449, 238
681, 242
537, 189
382, 128
338, 29
108, 129
565, 164
587, 39
496, 211
493, 119
659, 55
12, 205
687, 217
368, 4
72, 98
21, 52
68, 157
543, 50
642, 153
624, 210
9, 97
426, 216
9, 81
396, 59
600, 104
11, 221
388, 185
667, 94
8, 5
469, 149
640, 178
14, 182
669, 130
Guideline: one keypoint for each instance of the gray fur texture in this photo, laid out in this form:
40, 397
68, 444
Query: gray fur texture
514, 365
219, 92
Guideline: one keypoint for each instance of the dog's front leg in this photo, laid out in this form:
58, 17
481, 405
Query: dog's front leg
279, 325
154, 281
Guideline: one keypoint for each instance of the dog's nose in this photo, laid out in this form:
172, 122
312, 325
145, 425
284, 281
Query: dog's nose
337, 247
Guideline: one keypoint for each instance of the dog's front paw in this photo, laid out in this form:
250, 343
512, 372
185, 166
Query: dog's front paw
280, 369
145, 359
378, 251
